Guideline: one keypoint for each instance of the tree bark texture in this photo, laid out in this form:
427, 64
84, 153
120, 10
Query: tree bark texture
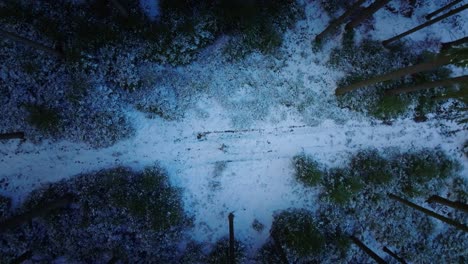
395, 256
429, 212
368, 251
339, 21
454, 204
428, 23
448, 45
442, 9
428, 85
439, 61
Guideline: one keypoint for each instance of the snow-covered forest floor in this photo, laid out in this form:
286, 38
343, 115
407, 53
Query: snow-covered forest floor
233, 127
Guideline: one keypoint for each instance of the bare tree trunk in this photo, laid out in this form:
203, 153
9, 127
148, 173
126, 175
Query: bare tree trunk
448, 45
439, 61
428, 23
122, 11
18, 220
232, 257
340, 20
428, 85
31, 44
429, 212
395, 256
454, 204
442, 9
366, 13
14, 135
368, 251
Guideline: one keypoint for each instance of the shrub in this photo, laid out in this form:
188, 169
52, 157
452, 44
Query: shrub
77, 91
298, 232
154, 110
425, 165
219, 253
258, 25
111, 209
268, 254
371, 167
342, 243
417, 169
307, 170
43, 118
341, 186
103, 129
257, 226
389, 107
331, 7
459, 189
193, 254
5, 205
109, 127
146, 196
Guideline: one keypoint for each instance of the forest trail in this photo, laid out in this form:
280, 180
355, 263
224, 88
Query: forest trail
220, 168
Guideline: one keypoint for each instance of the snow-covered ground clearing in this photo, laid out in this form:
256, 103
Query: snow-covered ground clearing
222, 169
243, 122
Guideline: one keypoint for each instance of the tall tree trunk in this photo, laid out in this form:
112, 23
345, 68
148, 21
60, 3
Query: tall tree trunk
368, 251
428, 23
428, 85
429, 212
439, 61
395, 256
338, 21
442, 9
14, 135
366, 13
122, 11
448, 45
31, 44
454, 204
18, 220
232, 257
